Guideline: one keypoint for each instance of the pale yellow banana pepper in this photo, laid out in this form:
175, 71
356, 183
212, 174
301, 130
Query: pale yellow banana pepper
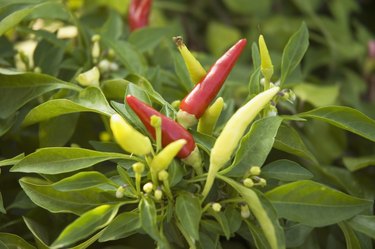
232, 133
162, 160
129, 138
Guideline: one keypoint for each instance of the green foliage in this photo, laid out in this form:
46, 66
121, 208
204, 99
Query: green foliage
65, 183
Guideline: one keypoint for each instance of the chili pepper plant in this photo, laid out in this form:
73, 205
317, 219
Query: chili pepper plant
118, 131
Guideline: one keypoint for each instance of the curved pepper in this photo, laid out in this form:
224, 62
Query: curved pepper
171, 131
162, 160
232, 133
129, 138
196, 102
138, 15
196, 71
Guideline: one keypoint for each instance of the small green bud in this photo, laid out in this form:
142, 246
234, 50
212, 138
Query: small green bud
216, 207
163, 175
111, 53
37, 70
95, 38
245, 212
148, 187
288, 95
255, 170
155, 121
158, 194
176, 104
138, 167
262, 182
248, 182
120, 192
271, 111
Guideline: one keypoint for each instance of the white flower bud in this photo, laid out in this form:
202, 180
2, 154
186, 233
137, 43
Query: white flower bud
158, 194
148, 187
120, 192
216, 207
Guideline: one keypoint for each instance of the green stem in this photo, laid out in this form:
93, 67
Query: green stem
267, 84
210, 181
158, 139
154, 178
138, 183
167, 189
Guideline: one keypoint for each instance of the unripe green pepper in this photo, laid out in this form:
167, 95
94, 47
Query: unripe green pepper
266, 66
162, 160
196, 71
208, 121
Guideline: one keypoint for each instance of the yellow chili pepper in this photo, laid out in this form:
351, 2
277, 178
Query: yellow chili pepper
162, 160
232, 133
266, 63
208, 121
129, 138
196, 70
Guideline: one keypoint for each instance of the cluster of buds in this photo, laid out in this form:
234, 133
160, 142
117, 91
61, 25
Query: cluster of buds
252, 178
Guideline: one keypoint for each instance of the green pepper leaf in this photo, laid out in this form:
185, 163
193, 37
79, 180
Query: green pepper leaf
2, 209
352, 240
364, 224
315, 204
148, 218
19, 88
12, 161
296, 234
147, 38
84, 180
288, 140
354, 164
56, 160
286, 170
188, 211
77, 202
294, 52
86, 225
122, 226
12, 241
57, 131
91, 99
346, 118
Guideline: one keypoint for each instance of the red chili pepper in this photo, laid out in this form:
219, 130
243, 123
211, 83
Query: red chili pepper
139, 11
171, 130
196, 102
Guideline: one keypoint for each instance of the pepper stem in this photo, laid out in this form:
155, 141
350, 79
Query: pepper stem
209, 181
138, 183
156, 123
